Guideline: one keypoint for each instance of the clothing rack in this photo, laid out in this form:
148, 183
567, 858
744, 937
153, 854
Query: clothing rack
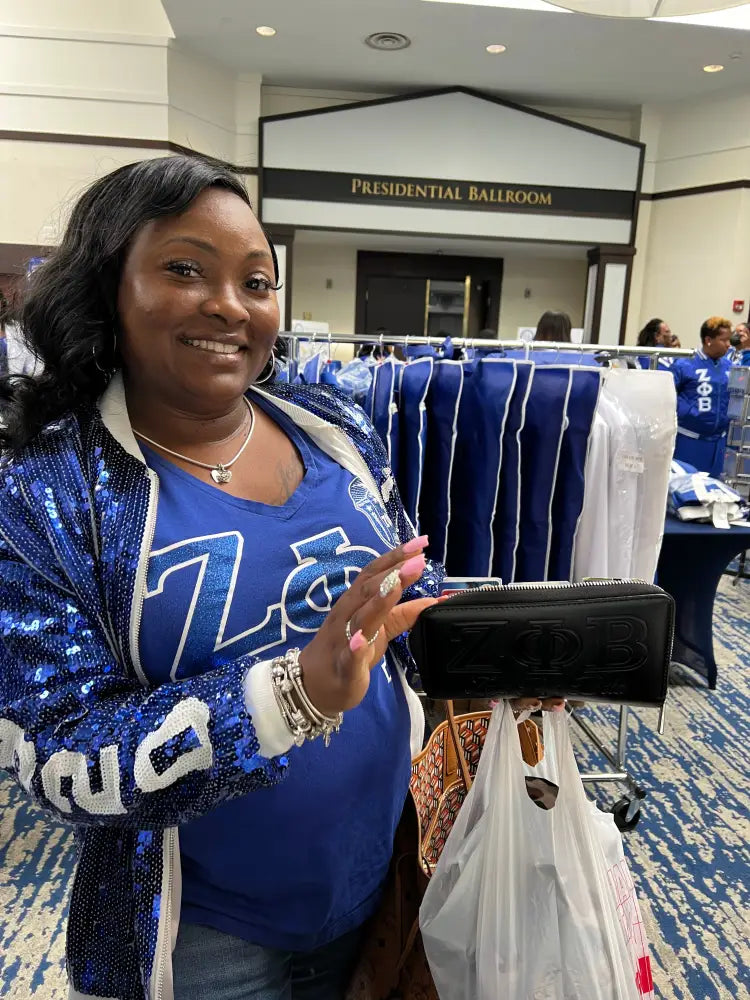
405, 340
627, 809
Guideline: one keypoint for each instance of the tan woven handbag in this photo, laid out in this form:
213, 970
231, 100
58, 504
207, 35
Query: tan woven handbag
393, 965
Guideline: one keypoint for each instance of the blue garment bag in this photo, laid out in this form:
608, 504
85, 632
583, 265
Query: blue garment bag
567, 504
507, 515
479, 459
541, 439
443, 401
415, 383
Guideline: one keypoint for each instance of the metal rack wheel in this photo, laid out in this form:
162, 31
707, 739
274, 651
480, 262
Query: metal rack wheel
627, 812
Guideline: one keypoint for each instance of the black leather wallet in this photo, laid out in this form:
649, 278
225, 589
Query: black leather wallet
595, 641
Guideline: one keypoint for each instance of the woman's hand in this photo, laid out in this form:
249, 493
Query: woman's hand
534, 704
335, 670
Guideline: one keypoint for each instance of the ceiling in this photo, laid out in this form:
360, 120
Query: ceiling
551, 55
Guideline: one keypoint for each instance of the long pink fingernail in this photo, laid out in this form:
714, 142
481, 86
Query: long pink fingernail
416, 544
357, 641
414, 565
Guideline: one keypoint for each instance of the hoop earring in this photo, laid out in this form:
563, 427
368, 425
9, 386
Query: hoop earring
271, 372
106, 371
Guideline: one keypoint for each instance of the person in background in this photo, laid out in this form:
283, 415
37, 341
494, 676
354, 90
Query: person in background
702, 384
739, 352
656, 333
553, 326
675, 344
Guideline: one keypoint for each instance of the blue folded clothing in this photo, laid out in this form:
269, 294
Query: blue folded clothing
696, 496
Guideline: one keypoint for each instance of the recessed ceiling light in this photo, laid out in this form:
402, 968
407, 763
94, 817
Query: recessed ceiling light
264, 31
713, 68
495, 50
388, 41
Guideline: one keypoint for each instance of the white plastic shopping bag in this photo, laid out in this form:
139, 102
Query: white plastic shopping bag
521, 905
623, 892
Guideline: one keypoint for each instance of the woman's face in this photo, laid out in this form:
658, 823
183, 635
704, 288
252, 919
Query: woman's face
664, 336
197, 310
717, 347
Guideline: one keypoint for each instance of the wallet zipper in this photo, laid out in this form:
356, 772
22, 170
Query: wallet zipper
552, 585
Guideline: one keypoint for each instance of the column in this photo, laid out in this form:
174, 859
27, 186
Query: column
607, 291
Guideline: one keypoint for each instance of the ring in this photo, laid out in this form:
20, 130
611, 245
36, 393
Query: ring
390, 583
370, 642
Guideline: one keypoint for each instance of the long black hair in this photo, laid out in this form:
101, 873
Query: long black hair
553, 326
647, 336
67, 313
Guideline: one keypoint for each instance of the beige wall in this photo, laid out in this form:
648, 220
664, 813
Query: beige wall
113, 70
82, 68
313, 266
287, 100
697, 261
692, 256
553, 283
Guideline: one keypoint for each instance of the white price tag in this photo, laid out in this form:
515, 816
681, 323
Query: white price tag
720, 514
631, 462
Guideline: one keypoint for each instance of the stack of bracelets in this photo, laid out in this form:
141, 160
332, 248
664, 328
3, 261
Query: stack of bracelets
302, 718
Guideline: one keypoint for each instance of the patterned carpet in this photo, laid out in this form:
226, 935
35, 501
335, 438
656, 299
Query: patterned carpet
689, 852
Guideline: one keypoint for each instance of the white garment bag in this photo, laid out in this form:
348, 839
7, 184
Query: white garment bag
591, 549
627, 477
648, 400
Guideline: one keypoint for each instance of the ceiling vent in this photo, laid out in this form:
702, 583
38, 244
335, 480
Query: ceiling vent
388, 41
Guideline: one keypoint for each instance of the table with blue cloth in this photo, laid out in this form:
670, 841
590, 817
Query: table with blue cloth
693, 557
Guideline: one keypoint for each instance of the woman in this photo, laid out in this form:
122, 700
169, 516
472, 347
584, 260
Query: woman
553, 326
702, 384
172, 535
656, 333
739, 352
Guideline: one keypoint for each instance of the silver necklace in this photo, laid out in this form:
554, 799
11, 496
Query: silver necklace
220, 472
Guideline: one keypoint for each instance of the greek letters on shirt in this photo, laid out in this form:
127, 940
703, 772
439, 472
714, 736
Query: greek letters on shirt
326, 565
704, 389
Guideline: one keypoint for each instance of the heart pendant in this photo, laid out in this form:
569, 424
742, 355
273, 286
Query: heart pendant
221, 475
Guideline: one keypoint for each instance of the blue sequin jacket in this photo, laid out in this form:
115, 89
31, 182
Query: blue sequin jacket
80, 729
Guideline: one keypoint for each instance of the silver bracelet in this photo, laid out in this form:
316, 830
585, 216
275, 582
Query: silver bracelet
301, 717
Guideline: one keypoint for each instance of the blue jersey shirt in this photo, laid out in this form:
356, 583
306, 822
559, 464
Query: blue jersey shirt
296, 865
702, 394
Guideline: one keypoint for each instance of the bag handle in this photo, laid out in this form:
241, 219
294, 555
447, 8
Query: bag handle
456, 739
532, 749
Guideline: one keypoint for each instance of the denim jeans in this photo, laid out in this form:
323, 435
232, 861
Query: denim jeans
210, 965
